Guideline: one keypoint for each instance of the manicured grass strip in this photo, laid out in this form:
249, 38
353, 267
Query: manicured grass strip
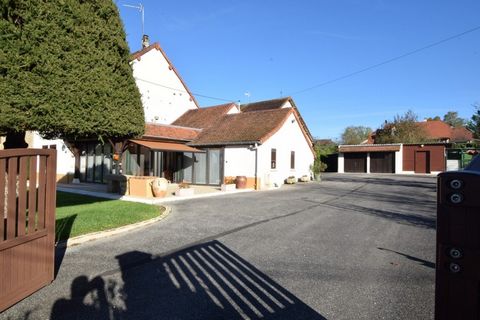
78, 214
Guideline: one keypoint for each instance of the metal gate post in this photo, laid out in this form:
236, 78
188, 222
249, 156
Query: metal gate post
457, 284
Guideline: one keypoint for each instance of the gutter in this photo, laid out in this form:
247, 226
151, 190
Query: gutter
225, 143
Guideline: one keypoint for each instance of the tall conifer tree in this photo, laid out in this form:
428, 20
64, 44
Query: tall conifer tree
64, 71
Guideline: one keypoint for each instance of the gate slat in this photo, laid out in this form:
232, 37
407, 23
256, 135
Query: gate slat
32, 194
12, 197
41, 192
22, 197
3, 214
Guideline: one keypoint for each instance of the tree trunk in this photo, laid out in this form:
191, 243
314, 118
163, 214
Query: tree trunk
15, 140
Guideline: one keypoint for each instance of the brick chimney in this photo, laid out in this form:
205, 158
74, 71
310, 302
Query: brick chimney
145, 41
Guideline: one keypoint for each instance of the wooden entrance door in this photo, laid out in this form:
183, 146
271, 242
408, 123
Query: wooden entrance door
422, 162
27, 222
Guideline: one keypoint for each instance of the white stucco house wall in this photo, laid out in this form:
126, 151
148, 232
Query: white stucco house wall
165, 97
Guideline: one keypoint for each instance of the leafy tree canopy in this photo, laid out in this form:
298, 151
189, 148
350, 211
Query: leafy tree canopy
452, 118
355, 134
474, 123
64, 69
403, 129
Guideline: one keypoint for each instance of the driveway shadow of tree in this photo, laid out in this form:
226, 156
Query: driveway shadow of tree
205, 281
422, 262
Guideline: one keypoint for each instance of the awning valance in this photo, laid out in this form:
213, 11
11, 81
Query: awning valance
166, 146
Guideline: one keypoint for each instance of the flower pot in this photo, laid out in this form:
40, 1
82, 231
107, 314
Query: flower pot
159, 187
305, 178
290, 180
241, 182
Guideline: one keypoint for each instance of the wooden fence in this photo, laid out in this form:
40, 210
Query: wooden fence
27, 231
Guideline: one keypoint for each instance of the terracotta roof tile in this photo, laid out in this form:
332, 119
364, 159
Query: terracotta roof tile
169, 132
243, 128
264, 105
461, 134
203, 117
440, 131
436, 129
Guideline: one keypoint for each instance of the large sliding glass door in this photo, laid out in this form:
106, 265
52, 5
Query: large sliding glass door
203, 168
95, 162
214, 166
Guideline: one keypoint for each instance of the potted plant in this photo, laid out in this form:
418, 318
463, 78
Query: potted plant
184, 190
290, 180
304, 178
229, 184
317, 168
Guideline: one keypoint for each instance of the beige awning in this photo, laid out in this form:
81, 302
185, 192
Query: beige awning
166, 146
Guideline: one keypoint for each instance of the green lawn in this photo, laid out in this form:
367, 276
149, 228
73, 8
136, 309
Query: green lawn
78, 214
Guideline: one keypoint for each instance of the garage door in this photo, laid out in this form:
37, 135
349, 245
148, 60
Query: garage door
382, 162
355, 162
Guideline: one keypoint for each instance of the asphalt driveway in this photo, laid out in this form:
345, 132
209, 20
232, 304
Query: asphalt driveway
351, 247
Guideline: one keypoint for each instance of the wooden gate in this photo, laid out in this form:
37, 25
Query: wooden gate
457, 279
27, 230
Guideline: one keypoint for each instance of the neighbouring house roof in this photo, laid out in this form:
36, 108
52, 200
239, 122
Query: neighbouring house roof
243, 128
165, 146
170, 132
323, 142
439, 131
461, 134
369, 148
436, 129
203, 117
138, 56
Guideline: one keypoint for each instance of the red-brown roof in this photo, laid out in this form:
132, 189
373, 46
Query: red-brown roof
436, 129
461, 134
162, 131
243, 128
369, 148
264, 105
138, 55
203, 117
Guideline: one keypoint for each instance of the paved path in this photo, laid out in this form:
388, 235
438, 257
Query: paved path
351, 247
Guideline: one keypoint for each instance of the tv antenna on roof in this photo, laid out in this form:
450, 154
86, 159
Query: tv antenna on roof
140, 8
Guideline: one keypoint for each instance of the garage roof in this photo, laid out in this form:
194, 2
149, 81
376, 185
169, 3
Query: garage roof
369, 148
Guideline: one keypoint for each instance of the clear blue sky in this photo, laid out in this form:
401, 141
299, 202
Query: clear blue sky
271, 48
